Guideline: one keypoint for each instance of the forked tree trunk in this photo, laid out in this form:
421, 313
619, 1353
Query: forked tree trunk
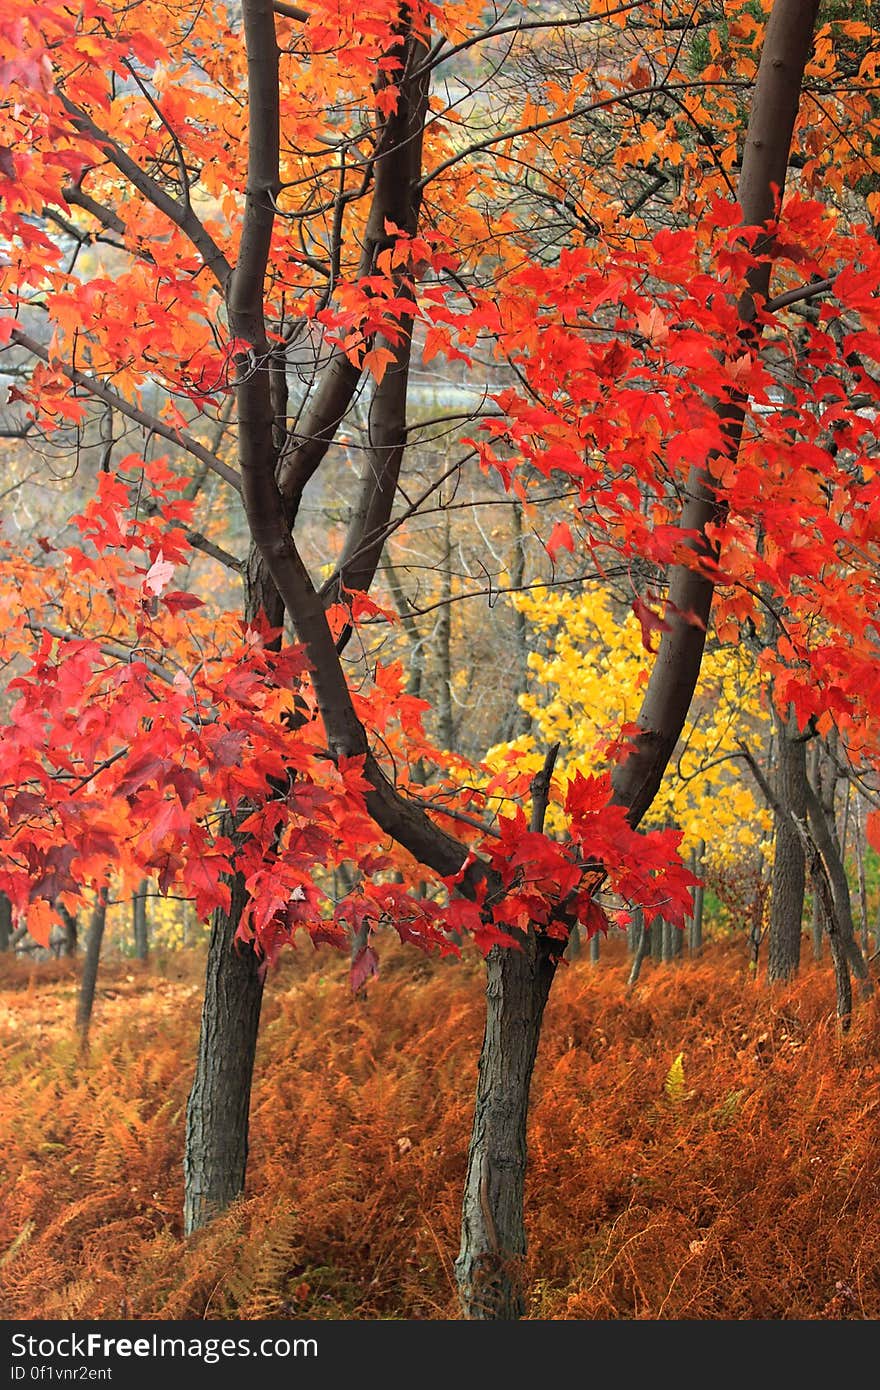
490, 1264
216, 1143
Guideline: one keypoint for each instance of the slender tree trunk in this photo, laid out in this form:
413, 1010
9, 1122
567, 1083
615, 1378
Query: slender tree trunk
5, 922
635, 932
789, 873
445, 722
817, 919
655, 933
825, 836
816, 927
864, 934
489, 1268
216, 1144
695, 942
139, 922
89, 978
595, 948
643, 943
668, 933
518, 721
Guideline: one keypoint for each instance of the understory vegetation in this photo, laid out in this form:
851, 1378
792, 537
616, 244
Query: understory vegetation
703, 1146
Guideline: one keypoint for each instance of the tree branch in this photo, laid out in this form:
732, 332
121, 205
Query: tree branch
96, 388
181, 215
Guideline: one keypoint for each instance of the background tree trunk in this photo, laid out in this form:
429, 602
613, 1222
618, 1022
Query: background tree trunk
642, 946
695, 933
5, 922
825, 835
89, 978
71, 931
139, 922
655, 937
789, 872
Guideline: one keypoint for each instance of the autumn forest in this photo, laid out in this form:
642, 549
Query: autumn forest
439, 660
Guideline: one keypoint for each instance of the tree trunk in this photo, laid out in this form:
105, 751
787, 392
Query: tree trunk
817, 927
71, 931
789, 872
493, 1241
445, 721
518, 721
139, 922
89, 978
695, 935
825, 836
642, 946
864, 934
655, 934
669, 932
595, 948
215, 1155
489, 1268
5, 922
216, 1144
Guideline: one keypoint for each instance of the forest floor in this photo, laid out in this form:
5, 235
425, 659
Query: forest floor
743, 1183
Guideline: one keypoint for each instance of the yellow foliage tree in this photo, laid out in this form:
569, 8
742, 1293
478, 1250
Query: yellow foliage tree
588, 675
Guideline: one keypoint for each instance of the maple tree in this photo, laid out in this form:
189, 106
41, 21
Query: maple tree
309, 209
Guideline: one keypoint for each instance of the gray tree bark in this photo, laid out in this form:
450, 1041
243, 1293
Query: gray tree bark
642, 947
695, 933
825, 835
5, 922
139, 922
789, 872
89, 978
489, 1268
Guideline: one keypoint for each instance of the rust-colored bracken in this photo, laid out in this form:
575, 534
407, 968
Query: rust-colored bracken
750, 1191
